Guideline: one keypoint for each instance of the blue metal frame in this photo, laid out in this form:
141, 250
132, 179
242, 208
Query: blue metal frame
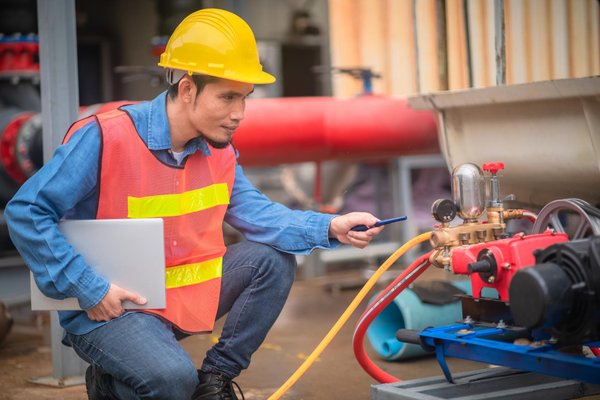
495, 346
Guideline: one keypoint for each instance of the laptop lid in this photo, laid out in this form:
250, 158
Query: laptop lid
127, 252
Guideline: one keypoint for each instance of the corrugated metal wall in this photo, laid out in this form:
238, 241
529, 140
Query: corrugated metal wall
430, 45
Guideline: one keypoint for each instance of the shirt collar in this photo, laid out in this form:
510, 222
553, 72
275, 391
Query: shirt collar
159, 132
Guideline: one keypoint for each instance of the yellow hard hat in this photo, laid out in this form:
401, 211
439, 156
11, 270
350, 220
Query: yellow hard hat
217, 43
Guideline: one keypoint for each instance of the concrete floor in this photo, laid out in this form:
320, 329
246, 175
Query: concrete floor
310, 312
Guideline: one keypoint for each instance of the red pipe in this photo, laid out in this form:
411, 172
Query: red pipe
374, 310
299, 129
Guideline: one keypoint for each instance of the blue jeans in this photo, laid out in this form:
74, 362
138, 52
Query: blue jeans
141, 352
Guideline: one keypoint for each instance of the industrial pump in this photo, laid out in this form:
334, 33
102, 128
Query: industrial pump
547, 282
535, 298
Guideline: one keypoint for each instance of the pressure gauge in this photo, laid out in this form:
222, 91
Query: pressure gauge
443, 210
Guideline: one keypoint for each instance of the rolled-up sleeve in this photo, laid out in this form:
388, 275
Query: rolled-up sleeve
67, 181
262, 220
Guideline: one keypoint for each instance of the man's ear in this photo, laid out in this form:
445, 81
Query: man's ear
186, 90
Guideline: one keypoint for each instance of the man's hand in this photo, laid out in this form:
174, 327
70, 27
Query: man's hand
111, 306
340, 229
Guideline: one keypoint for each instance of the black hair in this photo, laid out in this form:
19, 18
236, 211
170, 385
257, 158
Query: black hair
199, 80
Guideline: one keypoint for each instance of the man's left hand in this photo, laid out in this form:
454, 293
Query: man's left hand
340, 228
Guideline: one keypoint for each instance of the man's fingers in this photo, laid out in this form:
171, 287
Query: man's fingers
92, 315
134, 298
360, 244
111, 305
99, 316
360, 240
360, 236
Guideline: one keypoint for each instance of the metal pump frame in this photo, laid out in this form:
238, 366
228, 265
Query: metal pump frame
489, 345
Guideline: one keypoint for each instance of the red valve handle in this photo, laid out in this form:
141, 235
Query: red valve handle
493, 167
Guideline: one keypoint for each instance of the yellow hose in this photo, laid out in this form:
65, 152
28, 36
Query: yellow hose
351, 308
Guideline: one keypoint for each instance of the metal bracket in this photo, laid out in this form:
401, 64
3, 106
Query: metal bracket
439, 353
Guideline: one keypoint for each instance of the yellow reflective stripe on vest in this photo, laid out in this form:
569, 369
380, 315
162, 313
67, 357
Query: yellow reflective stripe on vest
190, 274
172, 205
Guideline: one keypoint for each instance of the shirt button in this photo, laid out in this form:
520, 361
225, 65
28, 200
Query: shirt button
174, 242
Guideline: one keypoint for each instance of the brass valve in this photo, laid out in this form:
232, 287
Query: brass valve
444, 239
468, 203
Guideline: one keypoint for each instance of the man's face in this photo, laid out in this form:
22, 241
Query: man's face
218, 110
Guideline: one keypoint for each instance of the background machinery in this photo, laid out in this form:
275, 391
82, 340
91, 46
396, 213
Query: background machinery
547, 285
526, 238
540, 311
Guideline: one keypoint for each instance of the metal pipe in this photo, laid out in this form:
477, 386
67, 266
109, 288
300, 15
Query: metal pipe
58, 60
500, 42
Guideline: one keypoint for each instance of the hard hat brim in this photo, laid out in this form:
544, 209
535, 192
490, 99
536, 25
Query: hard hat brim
260, 78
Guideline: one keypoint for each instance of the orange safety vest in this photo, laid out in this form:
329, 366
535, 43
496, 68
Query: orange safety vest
191, 200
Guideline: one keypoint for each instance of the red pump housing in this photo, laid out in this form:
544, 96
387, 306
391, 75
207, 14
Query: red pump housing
505, 257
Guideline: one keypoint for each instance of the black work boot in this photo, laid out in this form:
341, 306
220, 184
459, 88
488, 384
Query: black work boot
93, 386
214, 386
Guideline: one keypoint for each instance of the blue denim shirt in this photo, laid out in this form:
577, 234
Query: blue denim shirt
67, 186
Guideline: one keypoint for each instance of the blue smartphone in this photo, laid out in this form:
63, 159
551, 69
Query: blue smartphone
362, 228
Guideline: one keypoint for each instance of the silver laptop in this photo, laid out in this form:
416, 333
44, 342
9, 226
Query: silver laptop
128, 252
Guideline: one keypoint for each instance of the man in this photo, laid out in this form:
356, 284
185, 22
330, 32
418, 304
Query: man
172, 158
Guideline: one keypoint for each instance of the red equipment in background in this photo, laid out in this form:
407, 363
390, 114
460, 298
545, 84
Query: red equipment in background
289, 130
274, 131
19, 54
11, 151
299, 129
